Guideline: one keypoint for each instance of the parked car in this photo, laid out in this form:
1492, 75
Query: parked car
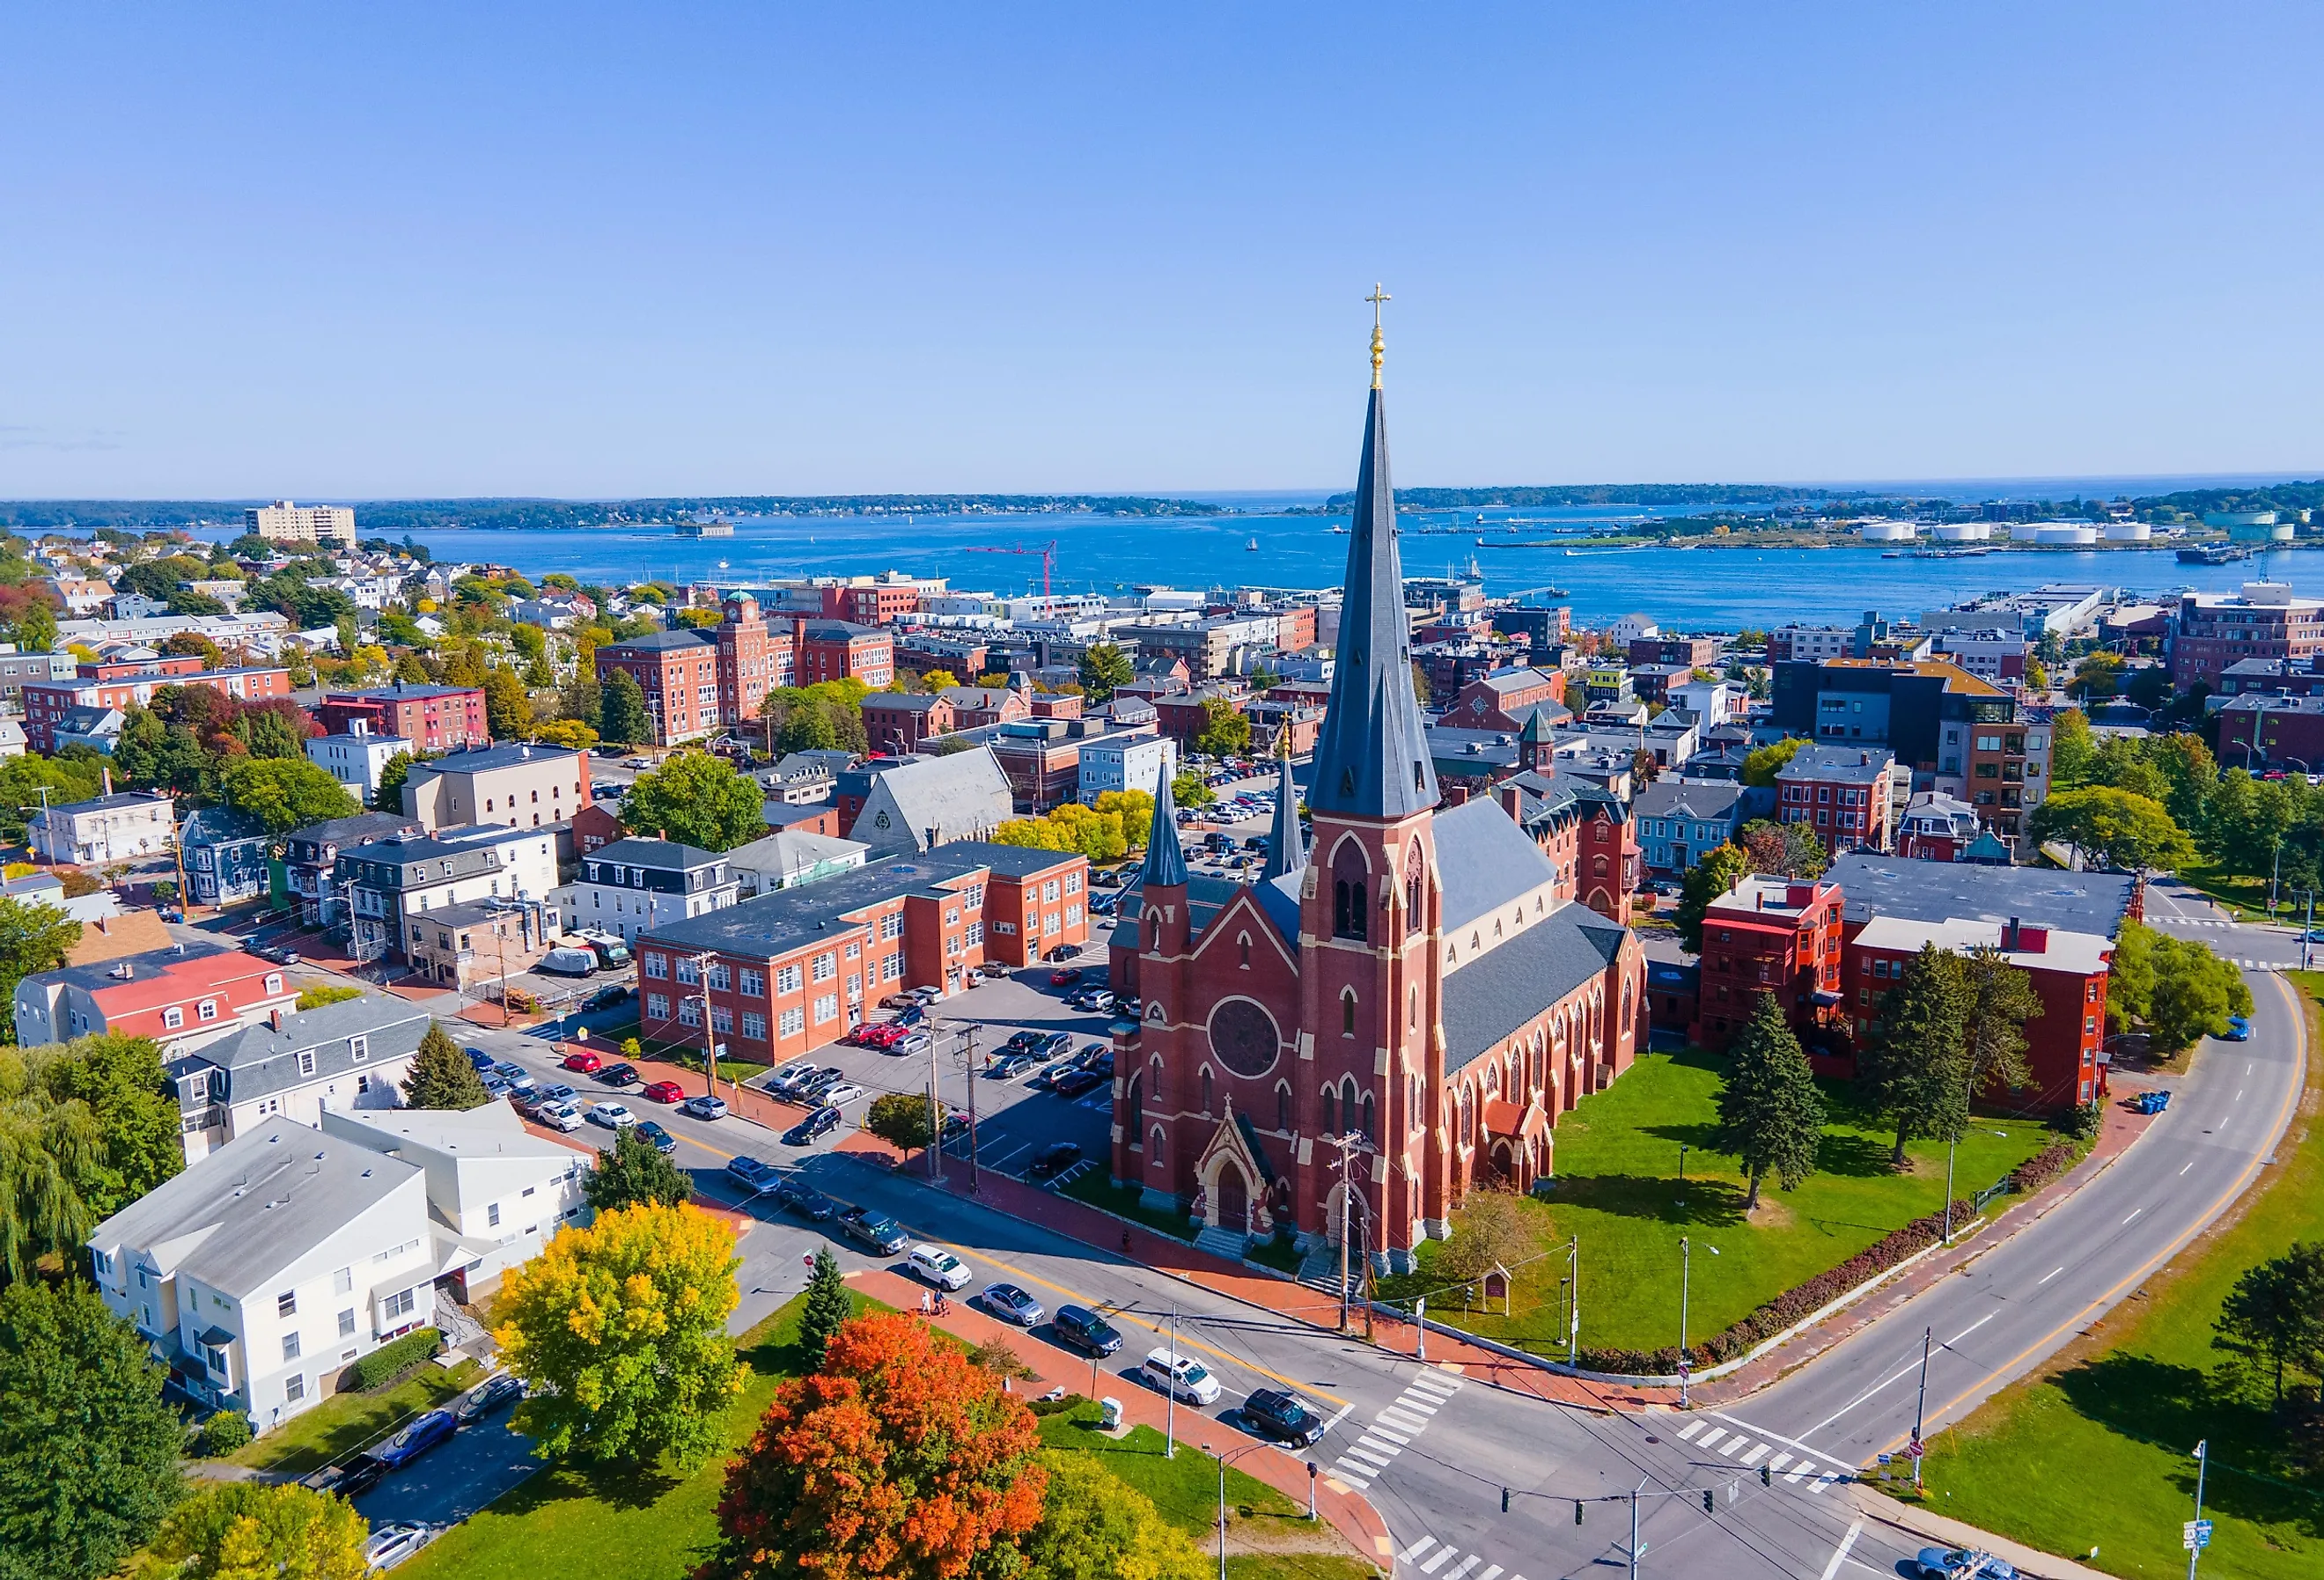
170, 913
798, 1066
435, 1427
1008, 1062
1054, 1045
1065, 976
1953, 1563
564, 1117
1283, 1418
566, 960
1181, 1376
663, 1142
662, 1091
840, 1094
477, 1057
874, 1231
275, 952
619, 1074
821, 1122
798, 1195
1054, 1159
494, 1087
389, 1545
495, 1392
753, 1176
352, 1480
606, 998
1012, 1304
795, 1081
611, 1115
910, 1043
1084, 1330
897, 1000
1062, 952
581, 1061
939, 1267
559, 1092
703, 1106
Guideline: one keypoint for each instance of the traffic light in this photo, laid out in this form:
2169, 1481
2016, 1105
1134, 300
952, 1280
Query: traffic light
1710, 1505
1577, 1510
1505, 1500
1766, 1476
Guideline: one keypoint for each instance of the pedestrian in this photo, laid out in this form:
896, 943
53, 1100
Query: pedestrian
1125, 1242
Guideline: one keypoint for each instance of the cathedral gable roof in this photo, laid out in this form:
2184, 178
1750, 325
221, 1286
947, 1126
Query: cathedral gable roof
1484, 861
1493, 996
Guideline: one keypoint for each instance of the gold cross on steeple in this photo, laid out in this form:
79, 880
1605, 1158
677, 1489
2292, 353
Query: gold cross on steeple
1379, 346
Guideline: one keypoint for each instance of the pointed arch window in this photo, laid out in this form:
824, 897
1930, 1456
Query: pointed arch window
1349, 892
1242, 942
1154, 1149
1283, 1106
1370, 1132
1330, 1118
1134, 1102
1412, 872
1207, 1094
1347, 1012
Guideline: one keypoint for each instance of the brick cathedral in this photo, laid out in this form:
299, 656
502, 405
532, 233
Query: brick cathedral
1396, 1012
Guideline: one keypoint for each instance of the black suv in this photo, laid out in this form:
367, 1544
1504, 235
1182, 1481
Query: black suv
1279, 1416
805, 1199
1084, 1330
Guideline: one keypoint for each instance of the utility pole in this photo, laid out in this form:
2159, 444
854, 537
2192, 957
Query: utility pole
709, 1031
2202, 1463
1573, 1303
969, 1039
1170, 1407
1634, 1528
2307, 925
1921, 1405
936, 1110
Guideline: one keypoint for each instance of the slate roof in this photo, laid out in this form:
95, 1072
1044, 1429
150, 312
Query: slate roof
1205, 898
260, 1061
962, 795
256, 1204
1884, 885
477, 759
661, 855
1166, 858
112, 803
1492, 996
1287, 844
1688, 799
1371, 759
662, 641
1838, 764
1484, 860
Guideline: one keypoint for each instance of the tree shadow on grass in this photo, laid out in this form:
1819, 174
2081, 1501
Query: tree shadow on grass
1709, 1202
1856, 1157
1694, 1137
2173, 1408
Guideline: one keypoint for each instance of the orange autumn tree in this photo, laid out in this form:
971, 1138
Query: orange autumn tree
900, 1460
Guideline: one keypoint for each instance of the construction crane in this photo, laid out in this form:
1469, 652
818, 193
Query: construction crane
1048, 557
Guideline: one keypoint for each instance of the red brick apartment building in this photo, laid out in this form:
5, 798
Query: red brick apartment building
1770, 935
1693, 652
899, 721
841, 649
2264, 621
1505, 698
788, 972
440, 718
131, 683
697, 682
878, 602
1845, 793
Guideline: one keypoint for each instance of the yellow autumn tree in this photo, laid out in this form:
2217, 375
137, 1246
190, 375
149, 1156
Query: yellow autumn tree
241, 1530
620, 1329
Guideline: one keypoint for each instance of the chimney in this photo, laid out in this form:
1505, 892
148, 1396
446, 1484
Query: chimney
107, 774
2009, 936
275, 1017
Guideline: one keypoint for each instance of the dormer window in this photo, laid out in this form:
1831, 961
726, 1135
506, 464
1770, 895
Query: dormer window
174, 1017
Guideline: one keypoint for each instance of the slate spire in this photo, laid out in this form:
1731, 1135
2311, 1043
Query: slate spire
1373, 760
1287, 845
1166, 862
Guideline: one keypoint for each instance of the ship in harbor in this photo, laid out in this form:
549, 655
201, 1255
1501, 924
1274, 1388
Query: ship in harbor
2213, 554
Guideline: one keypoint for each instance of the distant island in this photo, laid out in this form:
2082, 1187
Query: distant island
411, 515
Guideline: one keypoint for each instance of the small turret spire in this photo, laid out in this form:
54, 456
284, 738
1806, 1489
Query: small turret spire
1379, 345
1165, 863
1286, 846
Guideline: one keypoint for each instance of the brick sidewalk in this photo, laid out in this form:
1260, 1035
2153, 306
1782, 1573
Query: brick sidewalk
1348, 1512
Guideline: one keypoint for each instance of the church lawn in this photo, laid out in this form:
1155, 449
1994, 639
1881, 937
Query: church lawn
1618, 1188
2095, 1451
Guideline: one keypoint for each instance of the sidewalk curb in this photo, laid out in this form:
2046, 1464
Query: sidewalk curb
1917, 1521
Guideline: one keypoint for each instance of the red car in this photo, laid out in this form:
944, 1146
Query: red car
662, 1091
1065, 977
882, 1035
584, 1062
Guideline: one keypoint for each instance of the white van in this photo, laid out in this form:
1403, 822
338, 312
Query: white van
1181, 1376
938, 1266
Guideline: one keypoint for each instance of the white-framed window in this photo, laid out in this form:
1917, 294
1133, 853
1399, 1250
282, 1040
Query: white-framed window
492, 1216
400, 1304
891, 926
754, 983
174, 1017
793, 1023
891, 969
655, 966
825, 966
1049, 924
689, 970
786, 978
273, 984
1049, 892
291, 1346
826, 1008
306, 1061
975, 932
294, 1386
1073, 914
689, 1012
359, 1048
286, 1304
348, 1322
1073, 882
657, 1006
721, 979
855, 949
754, 1027
722, 1019
952, 915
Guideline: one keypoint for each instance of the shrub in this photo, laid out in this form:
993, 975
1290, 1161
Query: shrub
2082, 1122
393, 1359
1057, 1406
631, 1050
222, 1434
2044, 1167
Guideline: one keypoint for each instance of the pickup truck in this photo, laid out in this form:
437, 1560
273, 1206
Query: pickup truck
873, 1230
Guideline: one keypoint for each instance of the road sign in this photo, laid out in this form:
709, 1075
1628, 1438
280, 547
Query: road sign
1914, 1450
2195, 1534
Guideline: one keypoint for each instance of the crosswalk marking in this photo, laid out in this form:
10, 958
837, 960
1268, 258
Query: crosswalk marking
1438, 1556
1712, 1437
1400, 1438
1778, 1463
1692, 1428
1823, 1481
1807, 1467
1380, 1445
1354, 1478
1403, 1423
1732, 1445
1416, 1549
1490, 1574
1463, 1567
1416, 1403
1758, 1452
1437, 1383
1379, 1462
1430, 1568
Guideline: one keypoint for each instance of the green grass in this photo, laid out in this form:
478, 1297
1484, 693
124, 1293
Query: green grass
1097, 1188
344, 1422
1184, 1488
1618, 1188
2096, 1452
2246, 894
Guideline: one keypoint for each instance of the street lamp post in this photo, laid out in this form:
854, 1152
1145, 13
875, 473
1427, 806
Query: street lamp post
2202, 1463
1685, 1277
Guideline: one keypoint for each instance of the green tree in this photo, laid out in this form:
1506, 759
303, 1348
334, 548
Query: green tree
1914, 1070
698, 800
829, 1306
1770, 1115
442, 1076
242, 1530
1096, 1526
1225, 731
1715, 874
89, 1447
620, 1328
1996, 1000
901, 1119
389, 796
508, 706
36, 629
2189, 774
2246, 821
2071, 749
21, 781
632, 1171
266, 733
285, 793
2194, 992
119, 1083
2274, 1315
317, 996
2096, 677
2120, 829
34, 937
1765, 763
1784, 850
2149, 685
622, 718
1187, 790
1103, 668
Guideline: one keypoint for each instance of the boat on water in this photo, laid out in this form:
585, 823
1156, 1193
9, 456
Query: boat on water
1251, 544
2213, 554
1341, 530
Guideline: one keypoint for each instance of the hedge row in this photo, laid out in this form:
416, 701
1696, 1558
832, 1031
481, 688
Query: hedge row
1805, 1299
393, 1359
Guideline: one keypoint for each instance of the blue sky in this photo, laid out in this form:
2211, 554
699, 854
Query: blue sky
590, 250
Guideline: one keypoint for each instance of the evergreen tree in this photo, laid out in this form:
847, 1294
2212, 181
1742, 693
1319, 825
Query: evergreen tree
89, 1447
632, 1171
2276, 1313
622, 717
829, 1308
1769, 1111
1998, 998
1913, 1070
1103, 667
441, 1076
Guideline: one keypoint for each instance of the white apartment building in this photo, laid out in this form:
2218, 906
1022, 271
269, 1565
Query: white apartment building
633, 886
110, 828
386, 880
285, 523
1125, 762
355, 758
347, 1056
517, 784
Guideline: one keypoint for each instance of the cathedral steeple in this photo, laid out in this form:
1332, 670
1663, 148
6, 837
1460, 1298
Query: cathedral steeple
1165, 861
1372, 758
1287, 845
